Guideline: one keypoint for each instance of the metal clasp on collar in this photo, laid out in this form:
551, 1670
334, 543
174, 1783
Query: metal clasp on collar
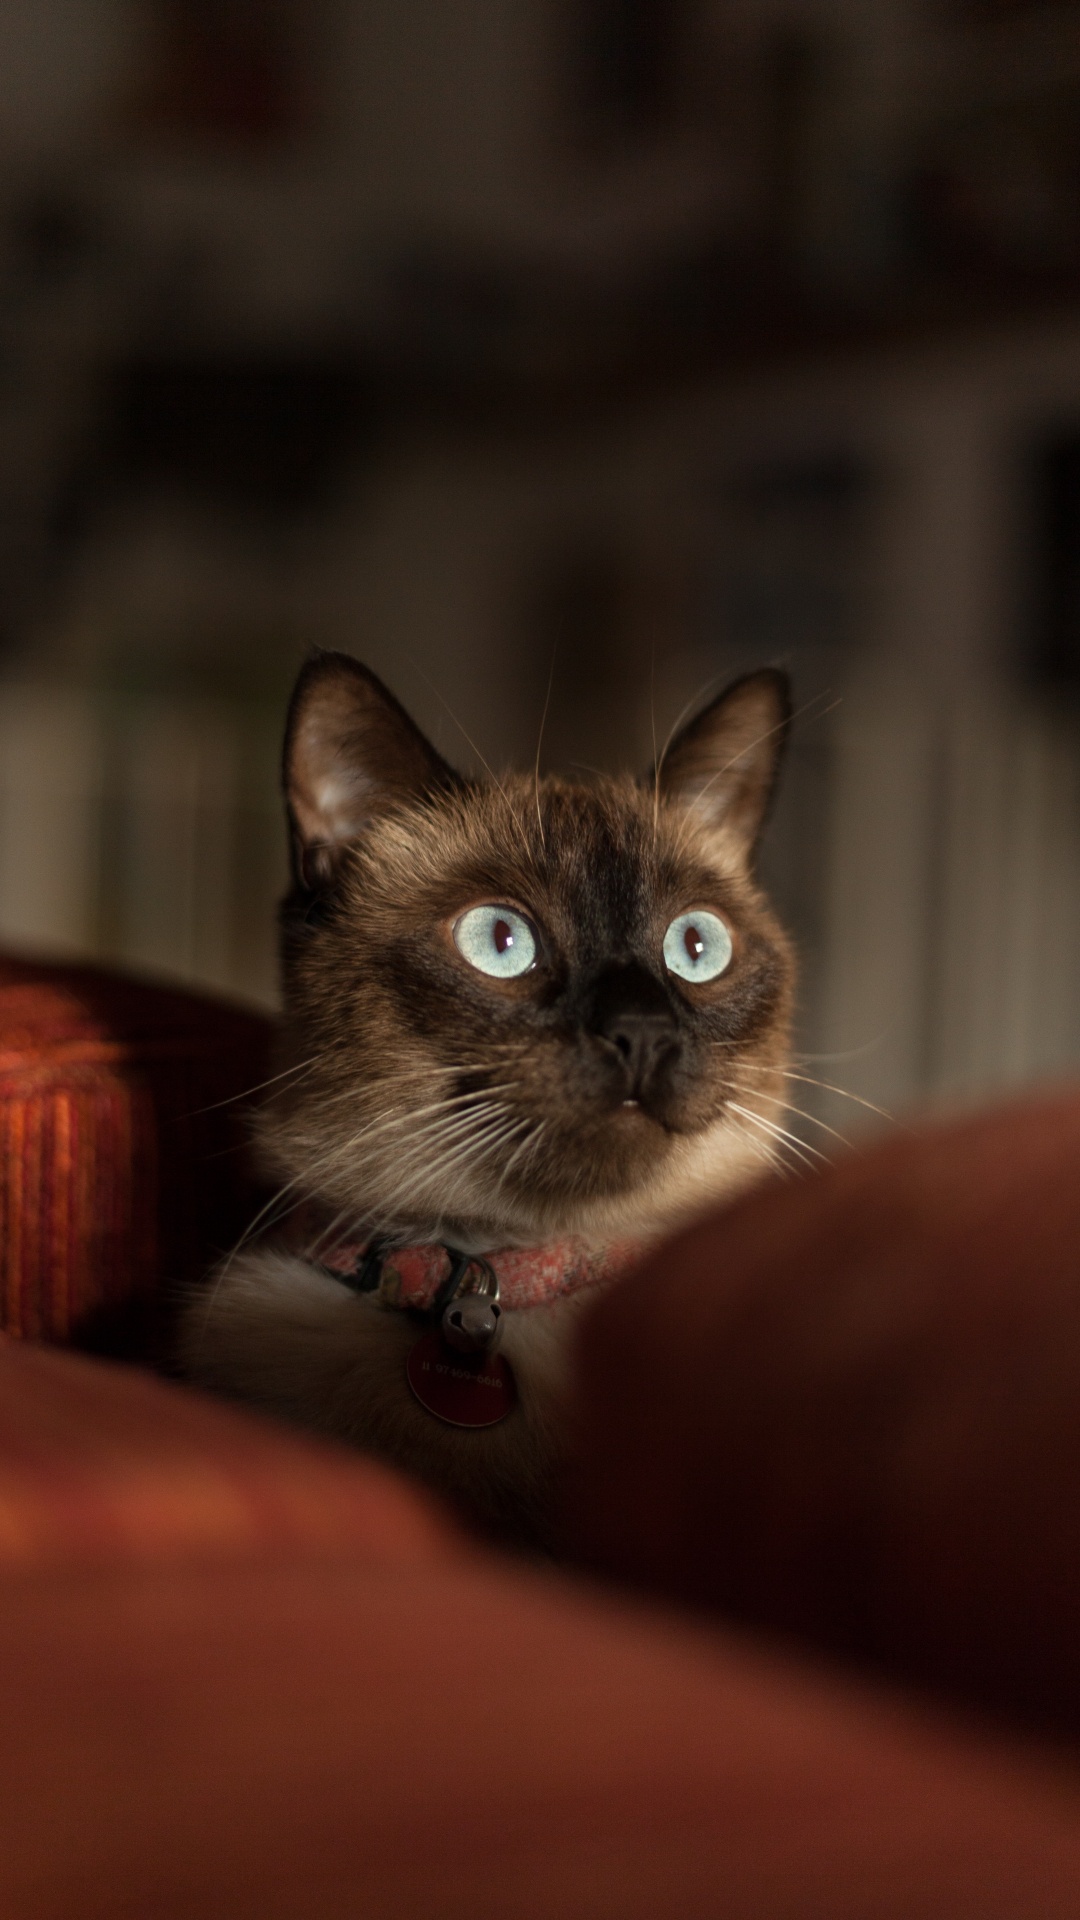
471, 1315
467, 1300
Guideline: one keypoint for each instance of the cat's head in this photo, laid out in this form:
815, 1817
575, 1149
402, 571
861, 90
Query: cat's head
516, 1008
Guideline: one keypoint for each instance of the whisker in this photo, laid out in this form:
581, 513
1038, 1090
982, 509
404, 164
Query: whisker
436, 1139
408, 1116
800, 1112
531, 1140
539, 1127
437, 1113
810, 1080
305, 1066
441, 1127
492, 776
430, 1140
652, 730
784, 1133
245, 1240
760, 1150
539, 744
810, 1156
369, 1089
846, 1094
312, 1175
478, 1146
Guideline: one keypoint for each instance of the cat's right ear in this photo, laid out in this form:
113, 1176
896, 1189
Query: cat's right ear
352, 754
723, 765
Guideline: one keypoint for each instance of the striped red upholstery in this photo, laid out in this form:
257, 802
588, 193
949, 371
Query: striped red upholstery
120, 1172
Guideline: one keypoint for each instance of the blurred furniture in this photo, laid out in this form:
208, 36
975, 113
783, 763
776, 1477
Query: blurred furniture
246, 1673
122, 1139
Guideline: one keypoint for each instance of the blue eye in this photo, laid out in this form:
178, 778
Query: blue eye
697, 946
496, 940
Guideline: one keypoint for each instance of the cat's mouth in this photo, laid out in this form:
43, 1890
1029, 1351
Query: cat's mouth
641, 1117
643, 1110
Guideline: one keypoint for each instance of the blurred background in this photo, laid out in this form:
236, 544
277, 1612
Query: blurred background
621, 343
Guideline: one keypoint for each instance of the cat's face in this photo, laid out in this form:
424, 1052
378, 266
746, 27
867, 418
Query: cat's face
519, 1009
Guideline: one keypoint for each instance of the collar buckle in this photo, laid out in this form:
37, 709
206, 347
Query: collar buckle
471, 1315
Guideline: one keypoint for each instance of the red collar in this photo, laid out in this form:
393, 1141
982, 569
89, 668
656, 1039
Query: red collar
420, 1277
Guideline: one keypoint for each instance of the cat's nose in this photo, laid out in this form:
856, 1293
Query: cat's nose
646, 1043
632, 1018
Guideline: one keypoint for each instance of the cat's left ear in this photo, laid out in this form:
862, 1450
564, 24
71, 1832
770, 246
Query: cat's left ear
723, 765
352, 754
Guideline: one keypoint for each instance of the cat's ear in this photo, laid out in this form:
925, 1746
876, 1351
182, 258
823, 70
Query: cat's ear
351, 755
723, 765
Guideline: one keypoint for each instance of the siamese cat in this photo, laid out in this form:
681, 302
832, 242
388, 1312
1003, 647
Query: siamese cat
529, 1026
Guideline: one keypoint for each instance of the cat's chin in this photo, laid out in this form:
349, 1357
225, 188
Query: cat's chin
666, 1180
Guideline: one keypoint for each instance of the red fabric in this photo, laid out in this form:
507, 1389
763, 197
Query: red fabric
243, 1674
848, 1408
243, 1677
120, 1172
103, 1465
473, 1743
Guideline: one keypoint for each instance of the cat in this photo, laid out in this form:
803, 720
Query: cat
519, 1013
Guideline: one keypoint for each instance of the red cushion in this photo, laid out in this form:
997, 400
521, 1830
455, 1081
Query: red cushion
356, 1744
102, 1465
243, 1677
119, 1169
849, 1408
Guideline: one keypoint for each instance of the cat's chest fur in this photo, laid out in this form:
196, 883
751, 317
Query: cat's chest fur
516, 1015
283, 1334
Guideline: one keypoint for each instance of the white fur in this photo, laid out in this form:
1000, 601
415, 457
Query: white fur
280, 1333
277, 1332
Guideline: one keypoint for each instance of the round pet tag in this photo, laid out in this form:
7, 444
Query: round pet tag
464, 1389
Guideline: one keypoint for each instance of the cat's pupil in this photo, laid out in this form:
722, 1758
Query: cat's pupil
503, 936
693, 942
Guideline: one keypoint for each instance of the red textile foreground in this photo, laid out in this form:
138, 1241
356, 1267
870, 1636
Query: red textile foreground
857, 1418
104, 1466
261, 1679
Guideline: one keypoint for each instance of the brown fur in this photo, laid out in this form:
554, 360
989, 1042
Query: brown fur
428, 1101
